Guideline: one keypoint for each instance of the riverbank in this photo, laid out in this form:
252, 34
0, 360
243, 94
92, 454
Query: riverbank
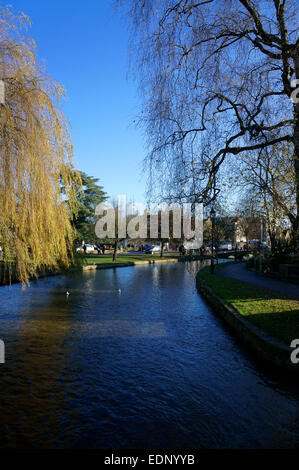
128, 261
86, 262
265, 320
124, 259
89, 262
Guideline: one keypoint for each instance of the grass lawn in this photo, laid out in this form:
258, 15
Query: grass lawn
99, 259
271, 311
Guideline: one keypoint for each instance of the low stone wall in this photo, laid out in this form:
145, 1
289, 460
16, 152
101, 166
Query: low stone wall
128, 263
106, 266
268, 348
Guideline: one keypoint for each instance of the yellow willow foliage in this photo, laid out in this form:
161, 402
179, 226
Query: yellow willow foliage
35, 160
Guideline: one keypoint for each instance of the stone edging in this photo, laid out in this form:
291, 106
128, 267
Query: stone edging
127, 263
267, 347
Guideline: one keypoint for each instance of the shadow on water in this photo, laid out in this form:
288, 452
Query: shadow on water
133, 357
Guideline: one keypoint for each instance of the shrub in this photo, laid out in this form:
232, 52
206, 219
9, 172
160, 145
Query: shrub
250, 263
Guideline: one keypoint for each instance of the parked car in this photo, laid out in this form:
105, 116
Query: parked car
152, 249
225, 247
89, 248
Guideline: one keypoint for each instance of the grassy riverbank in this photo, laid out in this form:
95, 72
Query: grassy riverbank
81, 261
126, 258
269, 310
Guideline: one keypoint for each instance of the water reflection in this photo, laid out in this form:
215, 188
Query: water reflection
153, 367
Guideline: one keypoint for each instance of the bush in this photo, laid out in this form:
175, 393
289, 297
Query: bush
250, 263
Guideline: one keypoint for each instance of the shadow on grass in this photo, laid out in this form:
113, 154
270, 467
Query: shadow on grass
284, 325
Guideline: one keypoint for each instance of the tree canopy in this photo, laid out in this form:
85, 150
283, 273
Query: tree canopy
218, 79
89, 195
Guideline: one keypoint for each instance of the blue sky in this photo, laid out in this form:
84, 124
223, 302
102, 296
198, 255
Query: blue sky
84, 45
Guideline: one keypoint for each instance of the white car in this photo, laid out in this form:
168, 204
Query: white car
225, 247
89, 249
156, 249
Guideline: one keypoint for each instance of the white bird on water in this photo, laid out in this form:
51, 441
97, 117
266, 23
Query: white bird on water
67, 293
119, 291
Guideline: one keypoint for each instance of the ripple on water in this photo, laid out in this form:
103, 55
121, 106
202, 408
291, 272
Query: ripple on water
153, 367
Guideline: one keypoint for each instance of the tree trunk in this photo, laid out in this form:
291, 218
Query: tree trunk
272, 240
162, 246
115, 250
295, 225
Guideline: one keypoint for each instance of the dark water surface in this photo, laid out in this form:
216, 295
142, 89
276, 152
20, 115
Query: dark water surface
149, 367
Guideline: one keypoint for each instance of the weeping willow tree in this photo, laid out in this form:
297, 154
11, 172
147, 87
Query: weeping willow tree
35, 159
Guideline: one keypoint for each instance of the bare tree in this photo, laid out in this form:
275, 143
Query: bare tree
217, 79
269, 177
249, 215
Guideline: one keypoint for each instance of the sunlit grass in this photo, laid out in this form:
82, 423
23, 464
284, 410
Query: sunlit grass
271, 311
94, 259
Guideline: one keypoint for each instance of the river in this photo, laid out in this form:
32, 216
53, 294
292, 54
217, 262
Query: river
133, 358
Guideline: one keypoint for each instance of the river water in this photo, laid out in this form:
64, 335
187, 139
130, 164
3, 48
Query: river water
146, 366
